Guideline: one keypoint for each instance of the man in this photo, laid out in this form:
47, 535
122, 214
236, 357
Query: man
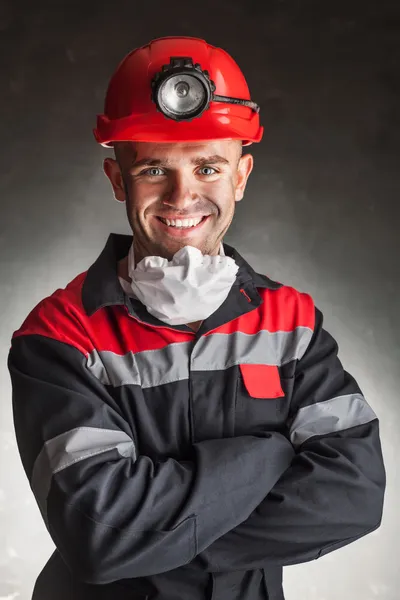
185, 423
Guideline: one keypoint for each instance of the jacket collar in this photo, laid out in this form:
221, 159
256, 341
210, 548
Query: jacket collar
102, 287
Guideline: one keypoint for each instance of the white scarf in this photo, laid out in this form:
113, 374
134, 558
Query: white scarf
186, 289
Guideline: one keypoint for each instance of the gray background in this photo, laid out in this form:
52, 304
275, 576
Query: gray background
320, 213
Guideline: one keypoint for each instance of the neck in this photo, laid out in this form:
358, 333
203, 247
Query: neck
122, 269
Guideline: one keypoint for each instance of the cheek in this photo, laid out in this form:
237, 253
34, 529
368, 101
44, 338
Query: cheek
142, 198
221, 193
225, 201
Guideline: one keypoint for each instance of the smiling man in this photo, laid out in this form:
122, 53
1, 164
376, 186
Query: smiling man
178, 195
185, 423
165, 186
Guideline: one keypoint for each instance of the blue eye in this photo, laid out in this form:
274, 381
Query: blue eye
210, 169
149, 171
157, 172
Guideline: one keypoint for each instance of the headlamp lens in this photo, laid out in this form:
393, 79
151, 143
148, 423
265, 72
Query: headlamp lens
182, 95
182, 89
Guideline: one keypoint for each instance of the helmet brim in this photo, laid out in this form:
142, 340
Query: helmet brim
210, 126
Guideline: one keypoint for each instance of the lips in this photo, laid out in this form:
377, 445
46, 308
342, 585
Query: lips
180, 231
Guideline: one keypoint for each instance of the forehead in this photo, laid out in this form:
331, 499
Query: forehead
178, 152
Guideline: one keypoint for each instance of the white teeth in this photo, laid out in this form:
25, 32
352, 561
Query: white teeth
182, 222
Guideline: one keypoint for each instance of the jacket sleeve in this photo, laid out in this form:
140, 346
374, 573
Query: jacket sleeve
333, 492
112, 512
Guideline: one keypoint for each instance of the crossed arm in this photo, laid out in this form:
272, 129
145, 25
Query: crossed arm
113, 514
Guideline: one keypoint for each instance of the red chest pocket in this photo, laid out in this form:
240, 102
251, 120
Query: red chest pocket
262, 381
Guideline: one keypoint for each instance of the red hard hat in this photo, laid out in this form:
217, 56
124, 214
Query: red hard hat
131, 114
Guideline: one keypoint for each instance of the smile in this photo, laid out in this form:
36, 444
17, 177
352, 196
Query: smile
182, 227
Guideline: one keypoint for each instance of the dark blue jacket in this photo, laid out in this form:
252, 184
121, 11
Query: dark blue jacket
174, 465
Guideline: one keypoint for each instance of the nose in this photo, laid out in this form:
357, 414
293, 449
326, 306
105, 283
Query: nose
180, 194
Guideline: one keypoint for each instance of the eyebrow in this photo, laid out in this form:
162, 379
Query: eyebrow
198, 161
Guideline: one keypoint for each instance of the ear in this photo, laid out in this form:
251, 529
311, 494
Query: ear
113, 172
244, 169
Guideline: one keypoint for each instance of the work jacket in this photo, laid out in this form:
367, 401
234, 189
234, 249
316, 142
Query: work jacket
170, 464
